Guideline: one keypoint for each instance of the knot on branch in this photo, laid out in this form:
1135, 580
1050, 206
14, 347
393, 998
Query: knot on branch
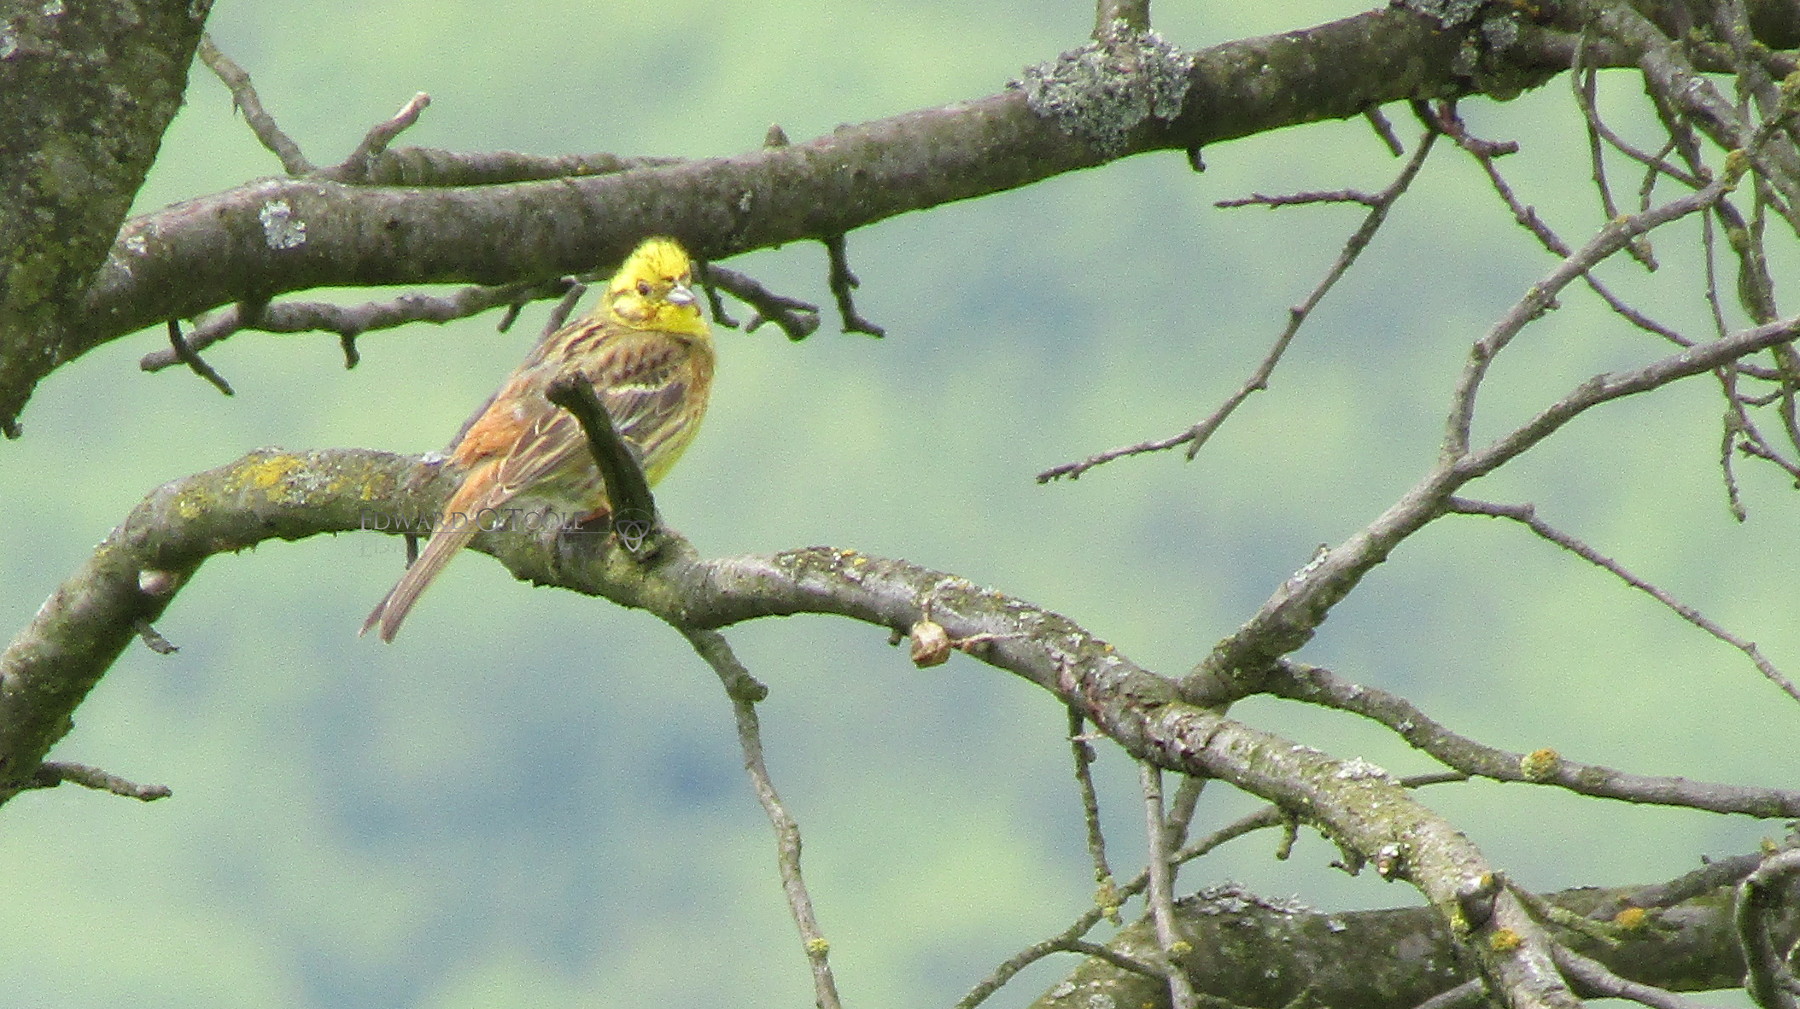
1102, 91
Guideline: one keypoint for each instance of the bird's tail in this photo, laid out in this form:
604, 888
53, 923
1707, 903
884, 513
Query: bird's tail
399, 601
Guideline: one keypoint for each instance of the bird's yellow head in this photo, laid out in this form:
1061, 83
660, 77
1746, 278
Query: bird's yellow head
654, 290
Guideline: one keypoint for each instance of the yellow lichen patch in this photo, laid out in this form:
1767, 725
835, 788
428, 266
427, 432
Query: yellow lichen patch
267, 474
1504, 940
1631, 919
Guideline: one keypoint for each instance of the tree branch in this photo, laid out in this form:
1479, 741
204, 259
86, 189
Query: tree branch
1267, 953
633, 510
132, 576
1314, 685
243, 95
186, 259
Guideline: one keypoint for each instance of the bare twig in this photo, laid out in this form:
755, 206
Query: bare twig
713, 300
52, 773
186, 354
1301, 199
1110, 955
842, 283
1593, 980
354, 320
1527, 217
1379, 122
1195, 437
1707, 878
1181, 809
374, 163
243, 96
632, 510
798, 319
745, 691
1526, 514
1607, 933
355, 168
153, 639
1316, 685
1161, 895
1582, 80
1133, 14
1735, 425
1657, 165
1542, 295
1106, 893
560, 312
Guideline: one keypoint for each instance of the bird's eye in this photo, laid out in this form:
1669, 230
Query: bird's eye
644, 288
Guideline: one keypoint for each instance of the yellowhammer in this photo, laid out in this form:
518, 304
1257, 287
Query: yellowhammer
647, 351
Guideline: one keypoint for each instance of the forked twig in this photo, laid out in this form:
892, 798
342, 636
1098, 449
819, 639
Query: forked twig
1195, 437
1526, 515
356, 167
1069, 939
798, 319
352, 320
842, 283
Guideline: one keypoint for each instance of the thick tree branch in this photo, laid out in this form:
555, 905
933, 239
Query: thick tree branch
77, 634
133, 575
1265, 953
72, 156
275, 236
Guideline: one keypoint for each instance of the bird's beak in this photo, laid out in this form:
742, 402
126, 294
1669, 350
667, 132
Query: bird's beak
680, 294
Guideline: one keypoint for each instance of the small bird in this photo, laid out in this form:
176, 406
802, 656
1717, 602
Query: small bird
648, 353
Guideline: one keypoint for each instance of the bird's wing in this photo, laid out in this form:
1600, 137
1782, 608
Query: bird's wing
644, 379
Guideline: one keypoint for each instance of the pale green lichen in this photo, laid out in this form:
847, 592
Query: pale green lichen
1100, 92
281, 229
1448, 13
270, 476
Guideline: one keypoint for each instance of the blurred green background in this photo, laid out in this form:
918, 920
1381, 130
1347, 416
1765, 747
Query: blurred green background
535, 799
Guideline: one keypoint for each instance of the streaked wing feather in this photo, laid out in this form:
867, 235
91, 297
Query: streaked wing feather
643, 381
